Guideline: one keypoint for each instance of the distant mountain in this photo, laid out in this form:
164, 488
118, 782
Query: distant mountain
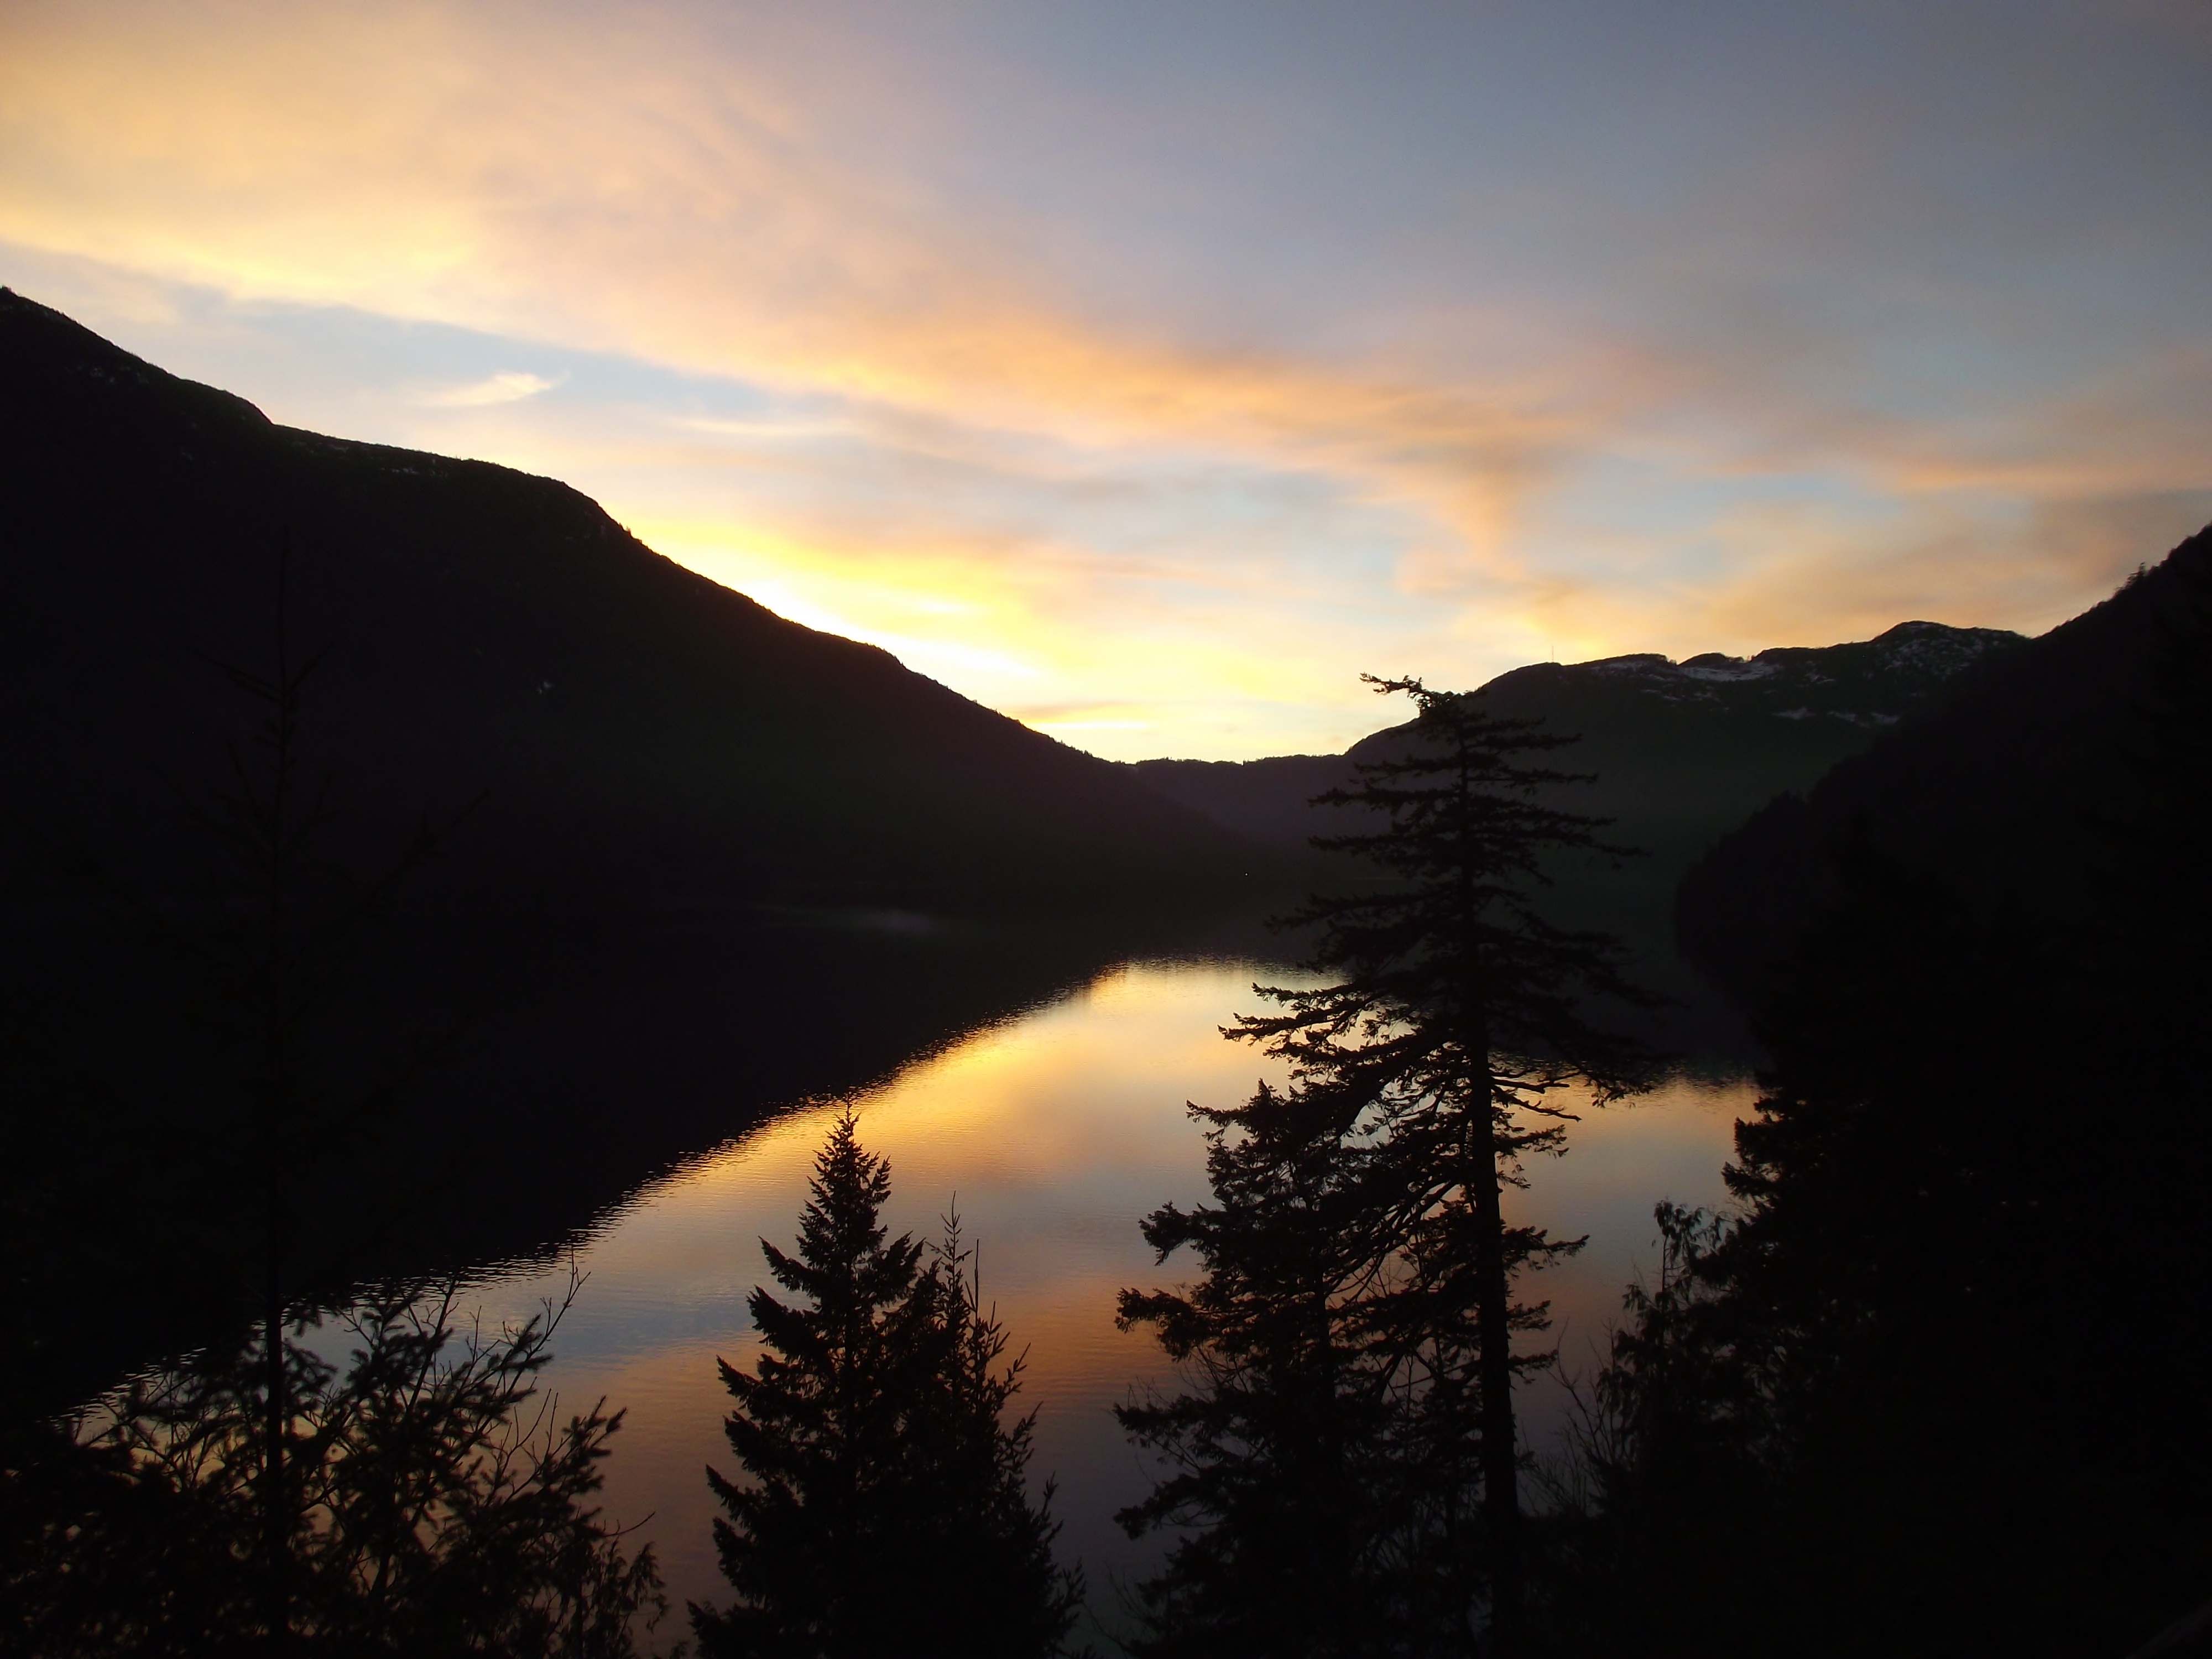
2008, 787
1264, 800
1672, 742
638, 735
1681, 753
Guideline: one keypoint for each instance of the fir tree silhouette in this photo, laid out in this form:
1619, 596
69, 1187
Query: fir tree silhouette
2148, 948
883, 1508
1360, 1266
1931, 1383
1297, 1511
252, 1494
989, 1546
268, 956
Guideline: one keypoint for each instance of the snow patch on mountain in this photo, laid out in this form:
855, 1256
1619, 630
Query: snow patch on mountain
1871, 683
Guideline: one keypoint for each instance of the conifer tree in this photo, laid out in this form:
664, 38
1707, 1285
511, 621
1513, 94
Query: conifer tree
883, 1508
1358, 1254
240, 1059
2148, 958
992, 1548
252, 1496
1286, 1487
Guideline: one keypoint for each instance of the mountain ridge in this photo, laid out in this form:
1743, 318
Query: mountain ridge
642, 734
1867, 686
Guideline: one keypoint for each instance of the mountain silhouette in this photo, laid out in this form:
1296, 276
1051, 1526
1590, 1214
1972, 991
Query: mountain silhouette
2004, 786
1675, 745
638, 735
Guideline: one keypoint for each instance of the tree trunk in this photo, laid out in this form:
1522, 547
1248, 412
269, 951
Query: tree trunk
275, 1520
1501, 1472
1501, 1467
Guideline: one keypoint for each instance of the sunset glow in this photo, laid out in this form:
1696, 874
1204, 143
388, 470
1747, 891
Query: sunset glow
1149, 373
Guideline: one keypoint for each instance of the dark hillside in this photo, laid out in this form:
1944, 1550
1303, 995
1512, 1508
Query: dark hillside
1677, 747
2003, 787
639, 734
1264, 800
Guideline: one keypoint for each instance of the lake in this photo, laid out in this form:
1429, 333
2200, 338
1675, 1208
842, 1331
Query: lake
1056, 1130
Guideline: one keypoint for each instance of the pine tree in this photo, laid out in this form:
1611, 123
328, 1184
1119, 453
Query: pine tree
885, 1508
239, 1058
2148, 957
253, 1495
992, 1548
1286, 1489
1358, 1252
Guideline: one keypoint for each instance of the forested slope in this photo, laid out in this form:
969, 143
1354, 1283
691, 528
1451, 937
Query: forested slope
2007, 786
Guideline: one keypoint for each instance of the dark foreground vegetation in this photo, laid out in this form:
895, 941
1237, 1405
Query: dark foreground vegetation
1346, 1466
330, 1468
422, 1498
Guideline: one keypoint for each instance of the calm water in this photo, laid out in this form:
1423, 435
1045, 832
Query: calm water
1057, 1131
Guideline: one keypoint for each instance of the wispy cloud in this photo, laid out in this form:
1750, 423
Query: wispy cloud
795, 431
507, 386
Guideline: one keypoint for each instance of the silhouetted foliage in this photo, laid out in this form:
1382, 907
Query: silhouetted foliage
1933, 1383
257, 958
1305, 1518
1930, 1386
987, 1545
264, 960
2152, 951
1347, 1459
255, 1498
883, 1506
434, 1503
234, 1008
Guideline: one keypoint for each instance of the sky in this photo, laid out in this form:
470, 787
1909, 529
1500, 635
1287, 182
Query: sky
1149, 370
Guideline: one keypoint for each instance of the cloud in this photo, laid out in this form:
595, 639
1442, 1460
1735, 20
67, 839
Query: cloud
612, 188
507, 386
773, 430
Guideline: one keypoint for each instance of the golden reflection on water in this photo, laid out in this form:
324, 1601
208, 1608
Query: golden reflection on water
1058, 1131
